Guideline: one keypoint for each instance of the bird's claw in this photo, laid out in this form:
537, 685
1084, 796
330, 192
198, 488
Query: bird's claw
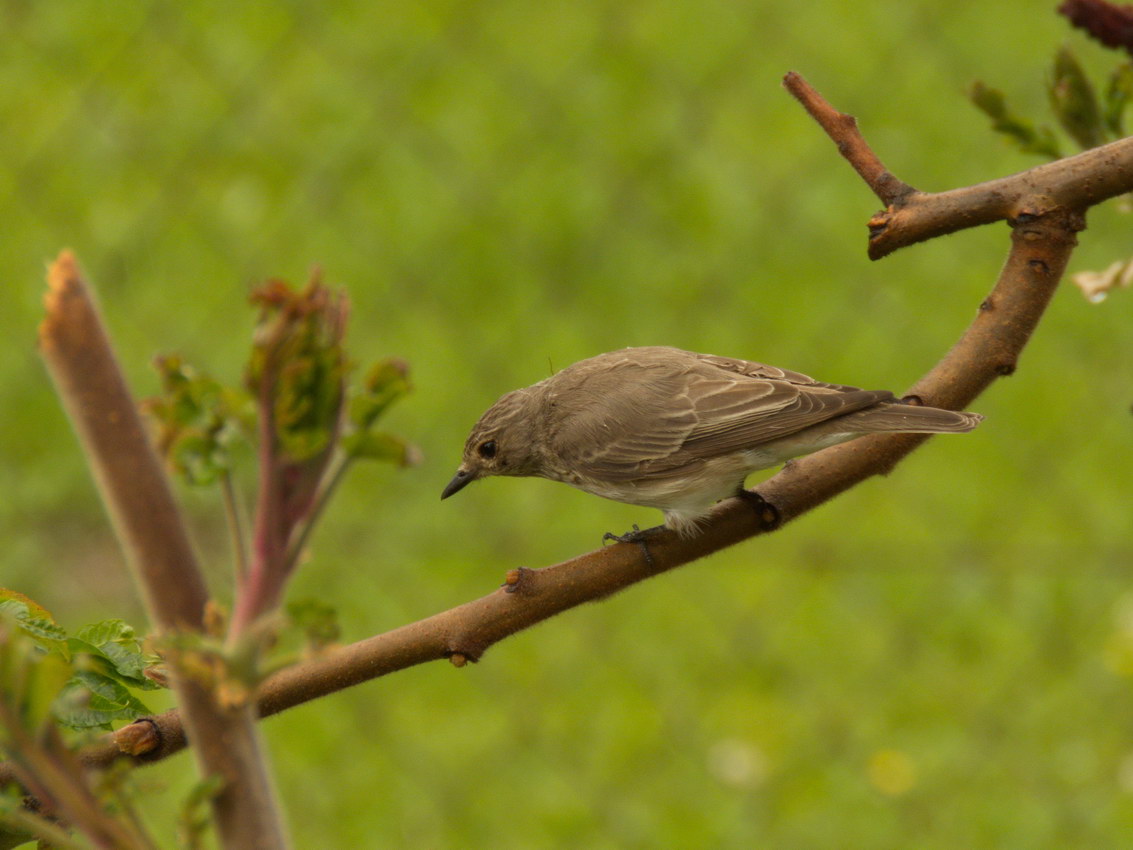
635, 535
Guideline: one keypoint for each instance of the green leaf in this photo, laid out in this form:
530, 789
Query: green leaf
317, 620
30, 679
199, 420
379, 446
50, 674
298, 365
1030, 139
46, 630
32, 620
107, 631
385, 383
29, 605
127, 668
116, 641
1073, 100
96, 701
1117, 96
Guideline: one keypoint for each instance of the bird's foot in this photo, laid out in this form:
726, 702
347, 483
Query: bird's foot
635, 535
765, 512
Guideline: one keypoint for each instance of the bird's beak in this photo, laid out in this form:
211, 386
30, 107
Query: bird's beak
459, 481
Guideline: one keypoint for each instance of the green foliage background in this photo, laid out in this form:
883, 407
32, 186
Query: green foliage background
939, 659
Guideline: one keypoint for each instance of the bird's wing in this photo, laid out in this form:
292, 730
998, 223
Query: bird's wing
631, 415
761, 370
741, 414
663, 418
763, 404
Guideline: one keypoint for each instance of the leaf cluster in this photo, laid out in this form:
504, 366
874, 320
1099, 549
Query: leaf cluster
200, 422
85, 681
1087, 117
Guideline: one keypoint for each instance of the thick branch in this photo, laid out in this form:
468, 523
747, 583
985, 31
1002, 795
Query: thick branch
988, 349
134, 487
136, 492
1075, 183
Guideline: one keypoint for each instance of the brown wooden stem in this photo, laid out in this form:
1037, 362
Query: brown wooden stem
1074, 183
148, 523
843, 130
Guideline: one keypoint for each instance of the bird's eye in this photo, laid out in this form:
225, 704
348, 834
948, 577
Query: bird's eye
488, 449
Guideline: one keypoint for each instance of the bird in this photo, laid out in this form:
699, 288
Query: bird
665, 428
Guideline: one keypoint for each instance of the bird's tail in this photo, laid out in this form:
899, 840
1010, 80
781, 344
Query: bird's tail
908, 418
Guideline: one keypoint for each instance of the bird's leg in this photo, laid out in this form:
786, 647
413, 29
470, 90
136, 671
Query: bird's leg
636, 535
765, 512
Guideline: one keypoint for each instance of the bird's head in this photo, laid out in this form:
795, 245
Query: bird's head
506, 441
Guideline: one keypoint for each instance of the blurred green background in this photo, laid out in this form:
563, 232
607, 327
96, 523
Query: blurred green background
937, 659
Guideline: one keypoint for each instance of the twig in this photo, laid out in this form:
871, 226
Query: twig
334, 478
1074, 183
234, 515
843, 130
263, 580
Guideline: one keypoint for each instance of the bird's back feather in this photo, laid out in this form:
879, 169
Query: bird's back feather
664, 411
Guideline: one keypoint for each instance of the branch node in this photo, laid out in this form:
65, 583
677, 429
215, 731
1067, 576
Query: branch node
878, 223
458, 659
766, 514
515, 581
138, 738
1005, 369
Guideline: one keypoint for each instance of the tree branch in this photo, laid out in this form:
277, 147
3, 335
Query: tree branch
134, 488
135, 491
1075, 183
989, 348
843, 130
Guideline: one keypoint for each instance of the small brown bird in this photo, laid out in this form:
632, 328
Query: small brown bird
674, 430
